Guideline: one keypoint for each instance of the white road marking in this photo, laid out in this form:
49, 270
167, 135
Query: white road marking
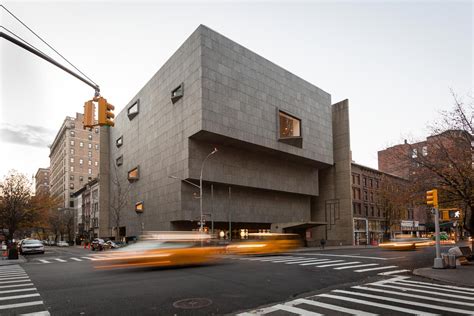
21, 305
306, 261
75, 259
88, 258
440, 285
377, 268
396, 300
337, 264
296, 310
333, 307
349, 256
16, 281
44, 313
4, 275
402, 293
4, 298
60, 260
357, 266
44, 261
18, 290
15, 278
15, 285
364, 302
312, 263
393, 272
266, 257
422, 291
285, 260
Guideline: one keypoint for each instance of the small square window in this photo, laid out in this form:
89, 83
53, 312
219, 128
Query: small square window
89, 178
96, 146
72, 160
81, 178
90, 146
90, 163
73, 125
89, 154
96, 163
414, 153
177, 93
424, 151
133, 175
72, 169
119, 141
119, 161
132, 110
72, 133
96, 131
72, 143
71, 186
81, 144
139, 207
90, 171
71, 177
289, 129
72, 151
89, 136
81, 161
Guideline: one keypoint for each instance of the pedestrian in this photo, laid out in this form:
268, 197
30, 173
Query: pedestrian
323, 242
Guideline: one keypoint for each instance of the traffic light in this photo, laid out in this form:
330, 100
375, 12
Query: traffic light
432, 198
106, 116
444, 215
88, 118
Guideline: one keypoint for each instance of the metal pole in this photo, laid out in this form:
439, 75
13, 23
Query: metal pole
230, 219
438, 262
200, 199
212, 209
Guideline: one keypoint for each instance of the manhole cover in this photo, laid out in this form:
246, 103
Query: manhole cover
192, 303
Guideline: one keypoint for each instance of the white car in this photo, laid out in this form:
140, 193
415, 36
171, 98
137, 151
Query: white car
31, 246
62, 243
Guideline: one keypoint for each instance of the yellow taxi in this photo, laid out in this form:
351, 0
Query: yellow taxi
265, 243
162, 249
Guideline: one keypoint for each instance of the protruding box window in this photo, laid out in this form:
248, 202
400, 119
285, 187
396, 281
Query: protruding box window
119, 141
177, 93
119, 161
132, 110
139, 208
134, 174
289, 129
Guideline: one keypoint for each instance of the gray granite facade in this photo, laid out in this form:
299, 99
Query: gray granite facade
231, 100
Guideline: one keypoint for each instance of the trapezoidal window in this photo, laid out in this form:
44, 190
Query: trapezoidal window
177, 93
134, 174
132, 110
119, 141
289, 129
139, 207
119, 161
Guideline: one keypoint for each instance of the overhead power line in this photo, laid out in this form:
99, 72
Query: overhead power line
42, 54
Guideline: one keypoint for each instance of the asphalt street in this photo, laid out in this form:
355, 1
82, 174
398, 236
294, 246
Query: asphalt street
65, 281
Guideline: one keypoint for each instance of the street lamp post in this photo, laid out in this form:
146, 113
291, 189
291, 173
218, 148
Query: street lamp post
201, 224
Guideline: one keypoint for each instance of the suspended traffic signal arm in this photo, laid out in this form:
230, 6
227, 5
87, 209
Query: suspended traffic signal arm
48, 59
432, 198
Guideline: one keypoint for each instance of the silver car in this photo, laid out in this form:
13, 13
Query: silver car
31, 246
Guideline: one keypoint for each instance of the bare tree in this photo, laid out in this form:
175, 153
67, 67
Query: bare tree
120, 197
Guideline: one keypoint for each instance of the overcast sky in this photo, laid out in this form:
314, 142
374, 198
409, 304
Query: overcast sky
395, 61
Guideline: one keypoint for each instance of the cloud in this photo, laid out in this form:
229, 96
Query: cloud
28, 135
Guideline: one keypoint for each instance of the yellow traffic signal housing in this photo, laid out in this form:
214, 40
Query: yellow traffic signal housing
88, 118
444, 215
432, 198
106, 116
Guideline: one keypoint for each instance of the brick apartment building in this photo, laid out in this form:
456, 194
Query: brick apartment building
74, 158
42, 181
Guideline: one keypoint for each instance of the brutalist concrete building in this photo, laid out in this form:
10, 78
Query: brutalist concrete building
283, 155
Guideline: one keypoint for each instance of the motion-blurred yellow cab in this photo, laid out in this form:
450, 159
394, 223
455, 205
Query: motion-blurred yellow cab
161, 249
265, 243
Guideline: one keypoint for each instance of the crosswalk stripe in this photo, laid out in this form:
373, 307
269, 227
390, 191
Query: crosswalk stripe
15, 285
334, 307
396, 300
439, 285
401, 293
358, 266
349, 256
434, 288
422, 291
296, 310
4, 298
374, 304
14, 278
21, 305
280, 259
377, 268
393, 272
60, 260
266, 257
337, 264
306, 261
18, 290
16, 281
88, 258
285, 260
4, 275
75, 259
44, 261
312, 263
43, 313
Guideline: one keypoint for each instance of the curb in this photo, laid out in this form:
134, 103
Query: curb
420, 274
6, 262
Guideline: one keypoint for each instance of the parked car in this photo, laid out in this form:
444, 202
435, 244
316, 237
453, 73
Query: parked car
31, 246
51, 243
98, 244
109, 244
63, 243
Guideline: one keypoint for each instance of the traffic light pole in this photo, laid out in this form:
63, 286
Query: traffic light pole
438, 262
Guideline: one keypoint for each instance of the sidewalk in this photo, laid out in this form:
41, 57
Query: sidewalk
462, 275
5, 262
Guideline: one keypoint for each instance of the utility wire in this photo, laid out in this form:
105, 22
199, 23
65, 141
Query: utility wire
24, 41
1, 5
